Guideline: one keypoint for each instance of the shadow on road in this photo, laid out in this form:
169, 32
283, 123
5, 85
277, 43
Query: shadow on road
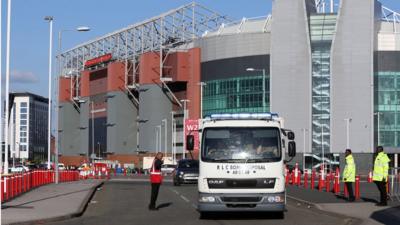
164, 205
387, 216
244, 216
369, 200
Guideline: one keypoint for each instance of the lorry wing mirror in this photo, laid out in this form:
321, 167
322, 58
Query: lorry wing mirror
189, 142
290, 135
292, 149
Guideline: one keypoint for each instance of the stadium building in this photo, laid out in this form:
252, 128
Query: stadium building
330, 68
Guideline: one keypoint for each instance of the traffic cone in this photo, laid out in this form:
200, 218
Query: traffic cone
296, 174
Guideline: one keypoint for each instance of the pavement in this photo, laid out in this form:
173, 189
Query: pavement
363, 209
50, 202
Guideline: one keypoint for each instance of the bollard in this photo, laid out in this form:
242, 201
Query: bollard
296, 174
298, 178
1, 190
19, 184
286, 175
305, 183
387, 186
369, 177
293, 181
124, 171
313, 179
6, 188
357, 187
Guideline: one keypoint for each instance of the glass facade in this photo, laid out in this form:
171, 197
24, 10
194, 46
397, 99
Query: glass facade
322, 28
235, 95
387, 108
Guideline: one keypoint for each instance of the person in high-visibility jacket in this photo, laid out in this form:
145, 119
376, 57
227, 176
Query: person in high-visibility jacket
380, 175
349, 174
155, 180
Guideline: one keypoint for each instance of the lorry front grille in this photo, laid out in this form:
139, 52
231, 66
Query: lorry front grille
241, 199
221, 183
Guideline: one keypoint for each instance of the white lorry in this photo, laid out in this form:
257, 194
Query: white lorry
242, 163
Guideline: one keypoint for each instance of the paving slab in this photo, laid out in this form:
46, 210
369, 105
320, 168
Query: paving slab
49, 203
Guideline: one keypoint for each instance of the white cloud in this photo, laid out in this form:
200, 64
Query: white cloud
23, 77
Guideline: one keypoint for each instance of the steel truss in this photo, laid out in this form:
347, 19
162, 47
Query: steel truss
389, 15
173, 28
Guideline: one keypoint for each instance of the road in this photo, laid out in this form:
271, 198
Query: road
125, 202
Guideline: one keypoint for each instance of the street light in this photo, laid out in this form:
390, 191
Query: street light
348, 120
50, 20
185, 115
165, 122
378, 114
304, 147
202, 84
79, 29
7, 91
159, 137
263, 85
173, 137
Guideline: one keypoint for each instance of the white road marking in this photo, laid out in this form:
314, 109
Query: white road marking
184, 198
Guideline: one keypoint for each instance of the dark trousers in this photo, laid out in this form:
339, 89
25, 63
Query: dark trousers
155, 187
349, 186
382, 189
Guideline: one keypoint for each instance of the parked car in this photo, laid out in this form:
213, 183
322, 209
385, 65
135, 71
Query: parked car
19, 169
61, 166
187, 171
167, 169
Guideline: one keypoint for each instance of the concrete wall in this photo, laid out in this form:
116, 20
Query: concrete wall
291, 67
232, 46
68, 124
84, 126
122, 124
352, 76
155, 105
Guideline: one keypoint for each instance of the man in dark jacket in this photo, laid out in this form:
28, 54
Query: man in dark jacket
155, 179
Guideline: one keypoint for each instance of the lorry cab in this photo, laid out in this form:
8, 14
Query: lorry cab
241, 162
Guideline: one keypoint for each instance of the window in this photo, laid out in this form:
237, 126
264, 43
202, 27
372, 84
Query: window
22, 140
23, 148
23, 104
23, 122
24, 110
23, 128
23, 116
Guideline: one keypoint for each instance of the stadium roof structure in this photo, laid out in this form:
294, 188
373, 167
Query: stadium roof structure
168, 30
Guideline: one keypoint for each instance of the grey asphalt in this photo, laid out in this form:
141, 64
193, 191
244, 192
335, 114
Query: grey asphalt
49, 202
364, 208
125, 201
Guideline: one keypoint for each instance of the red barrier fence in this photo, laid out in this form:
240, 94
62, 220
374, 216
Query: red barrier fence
16, 184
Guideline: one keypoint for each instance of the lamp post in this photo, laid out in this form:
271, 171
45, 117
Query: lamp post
7, 91
79, 29
348, 120
173, 136
304, 148
202, 84
156, 130
165, 122
185, 116
98, 146
92, 113
159, 137
50, 20
378, 114
263, 85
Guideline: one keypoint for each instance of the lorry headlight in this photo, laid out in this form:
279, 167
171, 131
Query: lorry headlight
277, 198
207, 199
181, 173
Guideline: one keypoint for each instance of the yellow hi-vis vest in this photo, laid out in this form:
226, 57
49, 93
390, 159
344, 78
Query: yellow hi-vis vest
349, 172
381, 167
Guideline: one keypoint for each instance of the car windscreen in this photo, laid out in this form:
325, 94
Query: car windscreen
188, 164
238, 144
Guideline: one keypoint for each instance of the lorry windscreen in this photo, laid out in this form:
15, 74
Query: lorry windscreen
238, 144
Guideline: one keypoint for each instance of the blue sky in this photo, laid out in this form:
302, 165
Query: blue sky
30, 33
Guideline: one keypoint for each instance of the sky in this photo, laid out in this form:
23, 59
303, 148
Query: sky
30, 32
